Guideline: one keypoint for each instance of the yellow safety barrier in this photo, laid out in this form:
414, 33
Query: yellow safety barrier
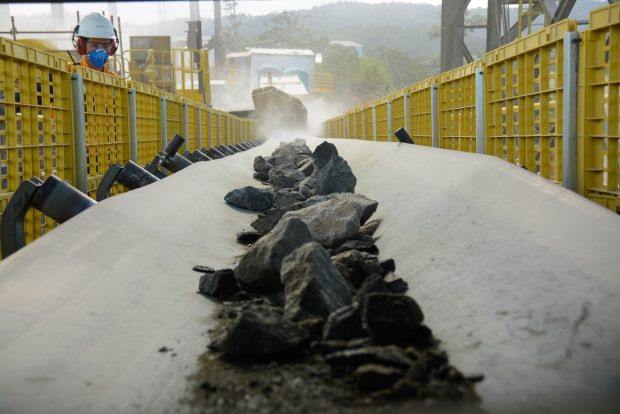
420, 112
215, 128
174, 114
523, 82
192, 132
523, 103
38, 111
205, 126
398, 111
351, 124
382, 120
36, 124
599, 106
457, 108
148, 120
106, 132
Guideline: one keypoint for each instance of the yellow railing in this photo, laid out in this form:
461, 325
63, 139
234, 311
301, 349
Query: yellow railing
38, 130
523, 102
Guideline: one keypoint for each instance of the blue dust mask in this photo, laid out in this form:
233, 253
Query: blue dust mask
98, 58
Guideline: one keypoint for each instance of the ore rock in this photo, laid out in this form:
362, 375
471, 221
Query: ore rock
248, 237
335, 177
259, 269
356, 266
331, 222
261, 331
261, 165
324, 153
285, 176
219, 285
391, 356
371, 227
391, 318
373, 377
345, 324
372, 284
250, 198
312, 284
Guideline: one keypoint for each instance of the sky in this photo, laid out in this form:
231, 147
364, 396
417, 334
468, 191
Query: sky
152, 11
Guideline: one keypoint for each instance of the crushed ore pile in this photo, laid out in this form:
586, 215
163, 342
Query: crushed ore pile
311, 320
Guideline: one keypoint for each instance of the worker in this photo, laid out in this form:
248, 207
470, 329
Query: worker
95, 39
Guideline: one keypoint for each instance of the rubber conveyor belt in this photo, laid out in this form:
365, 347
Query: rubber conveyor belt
518, 277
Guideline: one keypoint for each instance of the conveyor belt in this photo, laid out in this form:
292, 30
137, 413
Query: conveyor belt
518, 277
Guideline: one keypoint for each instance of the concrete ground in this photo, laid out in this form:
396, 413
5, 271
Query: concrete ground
518, 277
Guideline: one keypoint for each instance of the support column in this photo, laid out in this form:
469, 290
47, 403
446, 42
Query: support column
209, 127
389, 121
364, 136
374, 123
219, 128
407, 112
198, 129
79, 135
164, 127
434, 116
569, 111
185, 146
354, 125
133, 126
480, 124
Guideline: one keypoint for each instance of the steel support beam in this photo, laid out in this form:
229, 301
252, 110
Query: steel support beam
569, 115
435, 115
133, 126
164, 126
79, 134
480, 127
452, 33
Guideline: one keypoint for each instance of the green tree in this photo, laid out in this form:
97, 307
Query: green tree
374, 79
286, 30
405, 69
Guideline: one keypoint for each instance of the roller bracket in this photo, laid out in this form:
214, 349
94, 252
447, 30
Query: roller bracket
131, 176
403, 136
53, 197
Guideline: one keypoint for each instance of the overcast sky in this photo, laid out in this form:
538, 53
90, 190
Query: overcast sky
151, 11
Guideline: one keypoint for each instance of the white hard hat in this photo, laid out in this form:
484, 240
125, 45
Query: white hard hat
94, 25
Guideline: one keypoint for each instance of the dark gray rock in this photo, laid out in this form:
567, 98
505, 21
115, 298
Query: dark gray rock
373, 377
391, 356
331, 222
306, 168
220, 284
335, 177
312, 284
395, 284
250, 198
324, 153
248, 237
391, 318
285, 176
314, 326
388, 266
372, 284
261, 331
356, 244
265, 222
262, 176
356, 266
259, 269
368, 205
371, 227
345, 324
261, 165
286, 198
335, 345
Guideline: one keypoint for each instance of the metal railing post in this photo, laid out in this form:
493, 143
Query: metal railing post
354, 125
79, 135
219, 129
164, 126
209, 127
434, 116
364, 137
389, 121
406, 112
198, 129
185, 146
480, 125
374, 123
569, 115
133, 126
